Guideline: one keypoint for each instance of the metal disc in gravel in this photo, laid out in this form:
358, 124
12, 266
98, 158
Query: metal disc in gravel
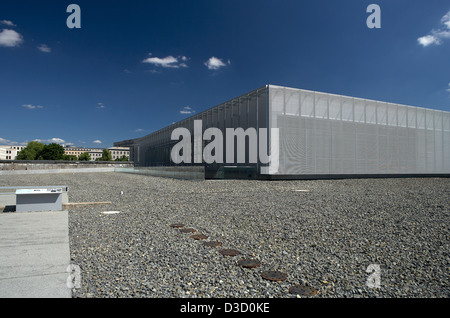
177, 225
249, 263
274, 275
199, 237
110, 212
303, 290
188, 230
212, 243
229, 252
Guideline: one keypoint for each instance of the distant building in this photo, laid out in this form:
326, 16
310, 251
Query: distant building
76, 151
119, 152
95, 153
127, 144
9, 152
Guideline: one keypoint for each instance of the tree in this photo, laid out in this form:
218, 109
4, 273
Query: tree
123, 158
70, 157
85, 156
31, 151
52, 152
106, 155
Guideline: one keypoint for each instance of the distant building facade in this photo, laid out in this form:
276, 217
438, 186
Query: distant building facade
119, 152
9, 152
95, 153
76, 151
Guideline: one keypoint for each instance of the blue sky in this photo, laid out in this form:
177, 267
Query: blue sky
137, 66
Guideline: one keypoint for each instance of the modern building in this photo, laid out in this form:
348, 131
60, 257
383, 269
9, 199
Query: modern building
309, 135
9, 152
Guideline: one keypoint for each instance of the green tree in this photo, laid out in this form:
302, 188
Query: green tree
85, 156
52, 152
31, 151
70, 157
123, 158
106, 155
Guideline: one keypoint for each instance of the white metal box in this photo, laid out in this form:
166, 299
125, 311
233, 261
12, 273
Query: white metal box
28, 200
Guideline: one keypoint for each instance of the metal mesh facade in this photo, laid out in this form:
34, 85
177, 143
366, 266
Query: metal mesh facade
248, 110
330, 134
319, 134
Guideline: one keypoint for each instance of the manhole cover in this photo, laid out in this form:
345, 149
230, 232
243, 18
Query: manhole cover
274, 275
199, 237
249, 263
303, 290
188, 230
229, 252
212, 243
177, 225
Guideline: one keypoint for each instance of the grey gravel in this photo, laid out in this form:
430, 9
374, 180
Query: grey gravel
324, 238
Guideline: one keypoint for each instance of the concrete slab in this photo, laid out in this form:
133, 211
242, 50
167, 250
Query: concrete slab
34, 255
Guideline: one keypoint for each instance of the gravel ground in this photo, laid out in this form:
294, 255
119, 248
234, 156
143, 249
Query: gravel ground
325, 237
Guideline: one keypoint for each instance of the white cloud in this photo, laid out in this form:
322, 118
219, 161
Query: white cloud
44, 48
443, 34
5, 141
428, 40
10, 38
100, 105
51, 141
448, 89
57, 140
215, 63
139, 130
97, 141
167, 62
29, 106
8, 23
446, 20
187, 110
436, 36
